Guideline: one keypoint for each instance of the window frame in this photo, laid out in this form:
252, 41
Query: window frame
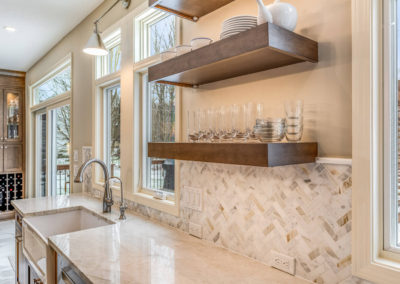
131, 142
102, 64
43, 107
369, 258
63, 64
100, 130
145, 120
107, 124
142, 22
140, 68
390, 130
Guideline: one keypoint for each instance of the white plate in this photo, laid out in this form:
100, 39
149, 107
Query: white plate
234, 31
239, 25
226, 36
238, 28
240, 22
247, 17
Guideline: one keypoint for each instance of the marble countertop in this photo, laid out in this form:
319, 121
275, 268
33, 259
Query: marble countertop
139, 250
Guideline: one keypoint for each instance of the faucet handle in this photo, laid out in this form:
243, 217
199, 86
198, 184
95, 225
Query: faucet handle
122, 209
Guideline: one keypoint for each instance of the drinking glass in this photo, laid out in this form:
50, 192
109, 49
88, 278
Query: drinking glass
242, 133
294, 120
226, 127
251, 116
192, 129
214, 125
235, 113
260, 111
202, 122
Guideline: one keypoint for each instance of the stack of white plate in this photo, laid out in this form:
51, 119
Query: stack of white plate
237, 25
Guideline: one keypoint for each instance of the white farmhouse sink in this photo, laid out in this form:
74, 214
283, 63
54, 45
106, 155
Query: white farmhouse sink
37, 229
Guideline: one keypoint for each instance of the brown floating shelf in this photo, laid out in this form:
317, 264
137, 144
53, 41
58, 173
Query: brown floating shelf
249, 154
189, 9
261, 48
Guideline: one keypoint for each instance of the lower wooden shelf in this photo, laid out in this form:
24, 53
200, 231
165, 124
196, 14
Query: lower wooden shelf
249, 154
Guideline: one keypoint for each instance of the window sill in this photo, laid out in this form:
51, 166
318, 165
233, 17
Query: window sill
166, 206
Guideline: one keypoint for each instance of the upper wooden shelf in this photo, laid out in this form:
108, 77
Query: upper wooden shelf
262, 48
249, 154
189, 9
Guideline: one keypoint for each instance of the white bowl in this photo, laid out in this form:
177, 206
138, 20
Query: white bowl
166, 55
199, 42
182, 49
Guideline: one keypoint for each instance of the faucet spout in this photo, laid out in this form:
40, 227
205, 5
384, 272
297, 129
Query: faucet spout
107, 199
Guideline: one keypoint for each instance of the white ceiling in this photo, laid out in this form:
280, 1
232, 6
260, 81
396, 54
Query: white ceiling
39, 24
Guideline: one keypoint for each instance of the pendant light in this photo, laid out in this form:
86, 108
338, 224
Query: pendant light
95, 45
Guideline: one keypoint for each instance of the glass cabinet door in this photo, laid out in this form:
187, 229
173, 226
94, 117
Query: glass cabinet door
12, 116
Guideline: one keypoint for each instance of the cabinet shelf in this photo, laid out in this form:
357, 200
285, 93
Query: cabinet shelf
262, 48
189, 9
249, 154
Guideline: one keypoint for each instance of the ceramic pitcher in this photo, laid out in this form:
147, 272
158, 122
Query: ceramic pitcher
264, 15
284, 14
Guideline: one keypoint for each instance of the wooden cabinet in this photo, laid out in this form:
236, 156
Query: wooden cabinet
12, 118
12, 107
12, 158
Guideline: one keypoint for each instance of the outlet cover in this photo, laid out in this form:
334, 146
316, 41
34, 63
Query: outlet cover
195, 230
283, 262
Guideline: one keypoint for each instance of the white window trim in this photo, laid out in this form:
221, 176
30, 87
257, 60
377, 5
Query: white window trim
370, 261
99, 143
112, 38
143, 195
128, 76
31, 121
57, 68
146, 18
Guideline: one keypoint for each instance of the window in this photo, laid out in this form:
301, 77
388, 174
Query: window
391, 129
156, 31
111, 62
158, 113
51, 113
59, 83
112, 129
375, 193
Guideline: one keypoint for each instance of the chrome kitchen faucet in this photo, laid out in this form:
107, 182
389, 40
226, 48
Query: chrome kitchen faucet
107, 199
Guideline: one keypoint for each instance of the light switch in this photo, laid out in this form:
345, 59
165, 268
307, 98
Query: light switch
193, 198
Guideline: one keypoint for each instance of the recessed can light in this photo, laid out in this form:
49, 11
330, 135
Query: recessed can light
9, 29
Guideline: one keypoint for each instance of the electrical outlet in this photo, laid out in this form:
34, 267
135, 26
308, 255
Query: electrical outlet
193, 198
195, 230
283, 262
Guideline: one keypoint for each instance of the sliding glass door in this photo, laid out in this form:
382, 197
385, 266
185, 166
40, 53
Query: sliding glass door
41, 155
53, 128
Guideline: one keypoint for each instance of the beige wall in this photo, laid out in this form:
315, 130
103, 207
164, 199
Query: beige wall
325, 87
82, 72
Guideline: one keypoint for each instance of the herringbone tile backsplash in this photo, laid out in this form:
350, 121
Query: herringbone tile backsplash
303, 211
